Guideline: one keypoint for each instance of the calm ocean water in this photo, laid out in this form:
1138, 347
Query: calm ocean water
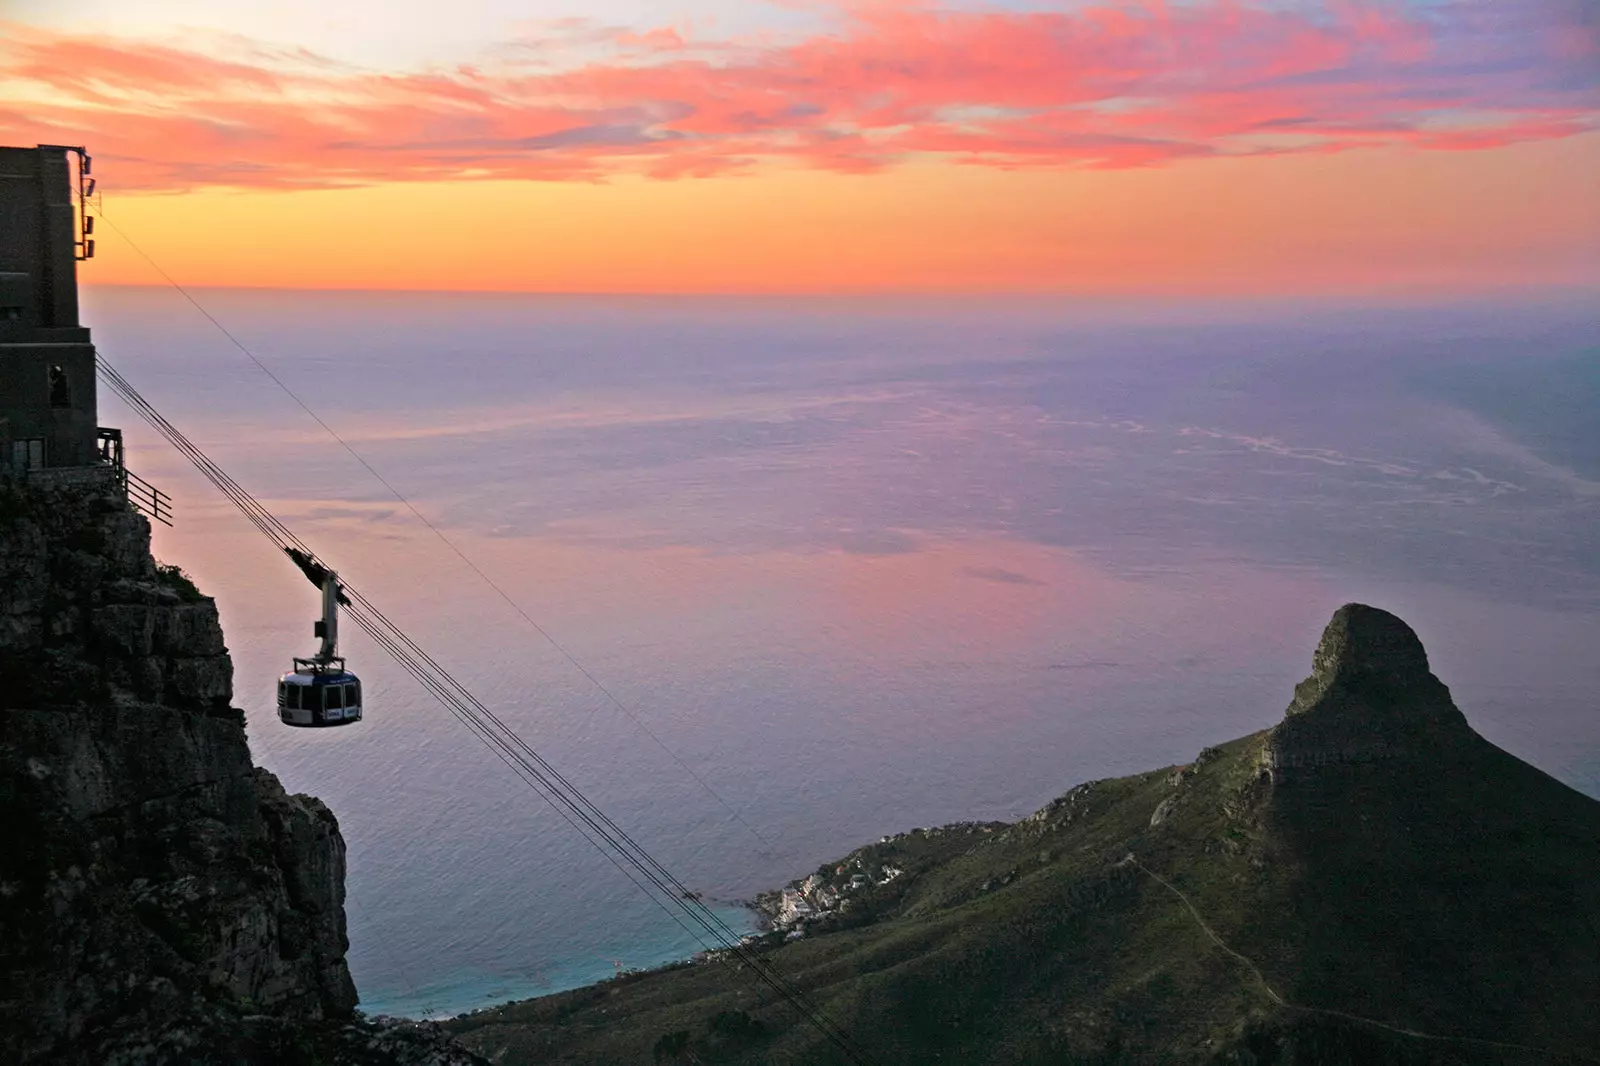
862, 565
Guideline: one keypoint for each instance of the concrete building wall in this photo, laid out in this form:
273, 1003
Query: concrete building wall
48, 401
47, 392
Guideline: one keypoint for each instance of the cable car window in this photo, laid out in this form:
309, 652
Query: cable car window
352, 696
335, 697
291, 697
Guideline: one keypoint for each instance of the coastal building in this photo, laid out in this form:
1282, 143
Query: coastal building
794, 907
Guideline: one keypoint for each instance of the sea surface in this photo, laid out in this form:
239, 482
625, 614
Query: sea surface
846, 566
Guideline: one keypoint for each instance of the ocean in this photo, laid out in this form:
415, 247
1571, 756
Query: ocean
843, 566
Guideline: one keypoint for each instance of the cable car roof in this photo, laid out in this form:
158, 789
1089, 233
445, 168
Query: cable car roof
335, 677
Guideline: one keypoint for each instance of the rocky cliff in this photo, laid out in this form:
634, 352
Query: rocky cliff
161, 898
1370, 696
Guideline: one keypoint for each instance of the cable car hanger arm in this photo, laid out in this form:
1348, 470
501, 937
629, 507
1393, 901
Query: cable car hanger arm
314, 570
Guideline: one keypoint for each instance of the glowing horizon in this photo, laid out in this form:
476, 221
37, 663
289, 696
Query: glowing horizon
1212, 146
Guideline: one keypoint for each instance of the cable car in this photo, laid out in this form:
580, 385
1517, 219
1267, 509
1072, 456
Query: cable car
320, 692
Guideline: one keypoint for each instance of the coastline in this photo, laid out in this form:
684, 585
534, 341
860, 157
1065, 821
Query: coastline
836, 896
460, 992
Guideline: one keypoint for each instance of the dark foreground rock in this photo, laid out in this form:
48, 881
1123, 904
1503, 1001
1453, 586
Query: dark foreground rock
227, 1039
161, 898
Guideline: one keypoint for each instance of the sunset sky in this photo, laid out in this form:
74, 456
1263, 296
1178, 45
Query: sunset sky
1192, 146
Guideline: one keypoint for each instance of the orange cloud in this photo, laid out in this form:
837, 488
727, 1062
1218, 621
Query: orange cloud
1109, 86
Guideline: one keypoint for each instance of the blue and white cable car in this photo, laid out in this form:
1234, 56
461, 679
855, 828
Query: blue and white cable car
320, 692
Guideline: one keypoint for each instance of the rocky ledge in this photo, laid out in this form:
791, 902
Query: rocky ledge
161, 898
88, 616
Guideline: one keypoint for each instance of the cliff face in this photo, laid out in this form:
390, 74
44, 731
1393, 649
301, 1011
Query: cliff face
1370, 697
86, 615
160, 896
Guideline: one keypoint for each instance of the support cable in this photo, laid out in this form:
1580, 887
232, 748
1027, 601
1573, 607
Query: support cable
574, 807
473, 566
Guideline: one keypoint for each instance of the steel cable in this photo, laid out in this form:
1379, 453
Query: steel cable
599, 829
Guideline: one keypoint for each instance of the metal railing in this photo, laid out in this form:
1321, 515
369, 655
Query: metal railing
146, 498
142, 496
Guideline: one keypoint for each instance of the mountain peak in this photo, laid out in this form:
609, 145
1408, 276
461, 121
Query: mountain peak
1397, 890
1369, 644
1370, 696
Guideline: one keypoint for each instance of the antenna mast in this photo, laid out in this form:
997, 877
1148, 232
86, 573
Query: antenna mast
84, 244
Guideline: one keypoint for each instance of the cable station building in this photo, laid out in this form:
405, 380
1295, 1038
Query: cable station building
49, 423
47, 382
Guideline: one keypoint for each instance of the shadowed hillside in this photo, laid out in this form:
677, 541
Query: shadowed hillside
1369, 881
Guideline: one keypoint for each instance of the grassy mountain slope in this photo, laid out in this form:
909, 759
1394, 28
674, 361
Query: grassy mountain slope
1370, 865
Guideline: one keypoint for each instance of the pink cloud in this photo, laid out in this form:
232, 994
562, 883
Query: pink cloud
1114, 85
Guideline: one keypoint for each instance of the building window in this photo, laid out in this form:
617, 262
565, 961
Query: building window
60, 388
27, 454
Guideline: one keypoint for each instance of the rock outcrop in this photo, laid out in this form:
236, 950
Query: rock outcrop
161, 898
86, 615
1370, 697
